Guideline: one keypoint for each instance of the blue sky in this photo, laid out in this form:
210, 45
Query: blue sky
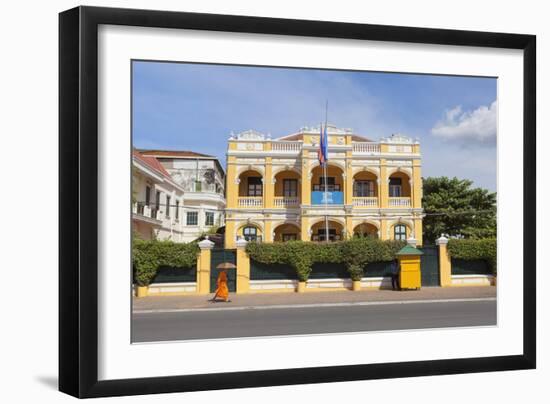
195, 107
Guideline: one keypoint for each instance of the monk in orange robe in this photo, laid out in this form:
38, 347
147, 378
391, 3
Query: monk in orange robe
222, 291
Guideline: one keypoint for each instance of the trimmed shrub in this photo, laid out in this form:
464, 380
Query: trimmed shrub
356, 254
148, 256
470, 249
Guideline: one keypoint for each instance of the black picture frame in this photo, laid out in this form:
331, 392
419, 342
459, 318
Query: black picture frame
78, 206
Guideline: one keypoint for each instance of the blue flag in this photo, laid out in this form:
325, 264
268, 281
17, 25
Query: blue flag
322, 153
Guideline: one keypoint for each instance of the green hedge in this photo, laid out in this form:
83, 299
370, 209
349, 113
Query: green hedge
355, 253
148, 256
470, 249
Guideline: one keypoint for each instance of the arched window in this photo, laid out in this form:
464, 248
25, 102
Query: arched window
250, 233
399, 232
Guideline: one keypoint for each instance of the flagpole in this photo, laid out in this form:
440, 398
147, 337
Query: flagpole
325, 173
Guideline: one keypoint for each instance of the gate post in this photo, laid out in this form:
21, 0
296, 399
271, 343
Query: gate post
203, 266
444, 261
243, 267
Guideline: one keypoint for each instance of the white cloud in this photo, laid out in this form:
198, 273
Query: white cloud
478, 126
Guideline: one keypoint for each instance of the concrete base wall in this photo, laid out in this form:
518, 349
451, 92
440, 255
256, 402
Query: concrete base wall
472, 280
179, 288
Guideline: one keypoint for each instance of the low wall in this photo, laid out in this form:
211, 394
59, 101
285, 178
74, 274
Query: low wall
174, 288
312, 285
472, 280
275, 285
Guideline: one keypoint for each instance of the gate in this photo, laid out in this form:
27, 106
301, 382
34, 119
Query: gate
218, 256
429, 266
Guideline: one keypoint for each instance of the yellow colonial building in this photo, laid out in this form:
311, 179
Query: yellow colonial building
275, 188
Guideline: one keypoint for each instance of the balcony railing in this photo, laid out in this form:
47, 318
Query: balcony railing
286, 201
146, 211
250, 202
367, 147
286, 146
403, 202
365, 202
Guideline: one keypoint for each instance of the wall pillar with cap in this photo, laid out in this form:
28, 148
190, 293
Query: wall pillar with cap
243, 267
444, 262
203, 266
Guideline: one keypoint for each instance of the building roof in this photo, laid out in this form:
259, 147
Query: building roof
151, 162
409, 250
181, 154
175, 153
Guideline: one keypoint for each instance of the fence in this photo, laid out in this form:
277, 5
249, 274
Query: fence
437, 269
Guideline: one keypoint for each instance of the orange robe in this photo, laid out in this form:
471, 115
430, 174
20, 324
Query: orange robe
222, 291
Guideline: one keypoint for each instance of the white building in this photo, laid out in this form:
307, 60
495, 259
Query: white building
202, 179
157, 206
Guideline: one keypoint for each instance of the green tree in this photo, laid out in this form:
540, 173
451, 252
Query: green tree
453, 207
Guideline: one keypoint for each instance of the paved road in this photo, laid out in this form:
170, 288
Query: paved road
250, 322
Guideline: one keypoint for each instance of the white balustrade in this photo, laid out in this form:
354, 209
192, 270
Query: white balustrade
365, 202
286, 146
146, 211
366, 147
250, 202
400, 202
286, 201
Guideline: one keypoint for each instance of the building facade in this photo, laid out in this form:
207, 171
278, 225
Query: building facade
202, 179
157, 201
276, 187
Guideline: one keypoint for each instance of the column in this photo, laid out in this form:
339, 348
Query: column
306, 180
349, 226
243, 268
232, 191
383, 189
203, 266
304, 232
268, 229
418, 231
444, 262
229, 233
384, 230
348, 180
269, 187
417, 185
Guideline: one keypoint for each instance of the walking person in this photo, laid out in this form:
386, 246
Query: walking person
222, 290
395, 275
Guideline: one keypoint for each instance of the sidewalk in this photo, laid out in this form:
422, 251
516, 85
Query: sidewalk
252, 300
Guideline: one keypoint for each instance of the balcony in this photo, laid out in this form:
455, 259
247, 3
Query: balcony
286, 202
286, 147
366, 148
146, 213
402, 202
250, 202
365, 202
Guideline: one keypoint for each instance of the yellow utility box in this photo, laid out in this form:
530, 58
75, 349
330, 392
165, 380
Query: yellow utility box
409, 267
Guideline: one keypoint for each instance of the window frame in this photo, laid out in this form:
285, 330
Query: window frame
191, 212
360, 186
254, 188
290, 189
207, 215
396, 233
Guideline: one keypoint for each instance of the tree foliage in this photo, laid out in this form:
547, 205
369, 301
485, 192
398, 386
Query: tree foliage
456, 209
